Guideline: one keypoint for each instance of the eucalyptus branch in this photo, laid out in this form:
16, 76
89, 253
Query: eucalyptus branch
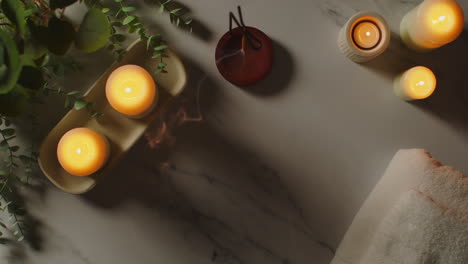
73, 98
7, 135
176, 14
125, 17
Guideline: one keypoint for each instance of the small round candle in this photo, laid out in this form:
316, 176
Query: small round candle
366, 35
82, 151
432, 24
131, 90
416, 83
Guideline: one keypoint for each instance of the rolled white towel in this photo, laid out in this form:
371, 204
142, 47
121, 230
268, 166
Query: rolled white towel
449, 188
418, 231
409, 170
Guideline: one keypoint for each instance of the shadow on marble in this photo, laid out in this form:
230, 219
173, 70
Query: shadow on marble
232, 201
30, 225
214, 192
280, 76
160, 136
449, 63
199, 29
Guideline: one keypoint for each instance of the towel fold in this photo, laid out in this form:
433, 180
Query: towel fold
416, 214
417, 230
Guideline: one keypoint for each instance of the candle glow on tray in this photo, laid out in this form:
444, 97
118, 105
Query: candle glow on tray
416, 83
131, 90
432, 24
82, 151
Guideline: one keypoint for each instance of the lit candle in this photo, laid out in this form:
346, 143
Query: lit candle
416, 83
432, 24
365, 36
82, 151
131, 90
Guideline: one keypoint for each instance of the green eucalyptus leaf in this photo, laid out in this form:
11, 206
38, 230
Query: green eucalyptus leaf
128, 9
156, 55
13, 63
54, 4
94, 32
7, 132
80, 104
73, 93
175, 11
61, 36
148, 42
128, 20
161, 47
28, 12
14, 11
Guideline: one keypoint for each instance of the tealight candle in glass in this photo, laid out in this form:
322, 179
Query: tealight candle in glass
365, 36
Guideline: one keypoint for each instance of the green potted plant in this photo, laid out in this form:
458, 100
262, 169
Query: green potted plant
35, 37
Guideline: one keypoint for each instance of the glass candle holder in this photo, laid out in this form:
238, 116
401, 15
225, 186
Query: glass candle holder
365, 36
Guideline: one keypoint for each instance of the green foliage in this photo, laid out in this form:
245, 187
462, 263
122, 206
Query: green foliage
176, 13
14, 11
34, 40
125, 17
94, 31
9, 175
10, 63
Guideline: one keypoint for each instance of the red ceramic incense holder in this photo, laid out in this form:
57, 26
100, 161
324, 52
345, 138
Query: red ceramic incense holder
244, 55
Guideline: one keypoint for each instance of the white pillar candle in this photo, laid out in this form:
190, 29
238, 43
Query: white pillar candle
365, 36
432, 24
415, 84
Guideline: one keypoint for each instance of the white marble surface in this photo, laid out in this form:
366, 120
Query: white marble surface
270, 178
